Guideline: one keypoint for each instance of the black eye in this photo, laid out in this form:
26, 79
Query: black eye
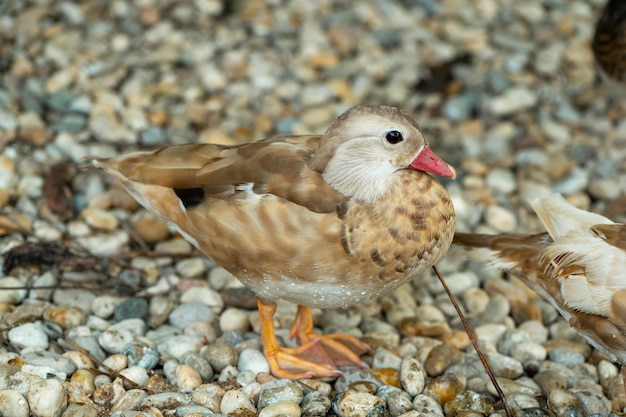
393, 137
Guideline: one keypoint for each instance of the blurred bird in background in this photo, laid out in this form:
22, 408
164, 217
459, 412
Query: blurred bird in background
609, 42
579, 266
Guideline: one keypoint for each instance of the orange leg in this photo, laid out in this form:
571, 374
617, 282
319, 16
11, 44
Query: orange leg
342, 348
310, 360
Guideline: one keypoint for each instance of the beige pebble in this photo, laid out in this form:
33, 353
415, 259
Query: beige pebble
65, 316
187, 378
99, 219
234, 319
150, 228
81, 360
286, 409
84, 381
116, 362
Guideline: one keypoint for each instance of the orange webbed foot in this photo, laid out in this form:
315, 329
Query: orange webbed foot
318, 355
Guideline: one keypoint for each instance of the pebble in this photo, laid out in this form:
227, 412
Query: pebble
131, 399
445, 387
209, 396
315, 404
13, 295
220, 355
131, 308
165, 401
279, 391
199, 364
253, 360
234, 402
501, 219
80, 359
412, 376
384, 358
567, 357
12, 403
66, 317
398, 402
176, 346
51, 360
104, 305
47, 398
141, 354
116, 337
358, 404
234, 319
99, 219
285, 408
426, 404
187, 378
28, 335
188, 313
441, 357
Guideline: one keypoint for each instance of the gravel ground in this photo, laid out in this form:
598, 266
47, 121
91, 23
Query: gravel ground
129, 320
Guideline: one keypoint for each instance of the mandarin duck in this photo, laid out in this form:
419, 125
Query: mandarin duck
325, 221
578, 266
609, 41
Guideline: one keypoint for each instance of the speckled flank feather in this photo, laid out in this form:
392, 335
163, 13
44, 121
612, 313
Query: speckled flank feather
579, 266
292, 219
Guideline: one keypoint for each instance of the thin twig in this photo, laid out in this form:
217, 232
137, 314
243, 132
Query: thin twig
474, 343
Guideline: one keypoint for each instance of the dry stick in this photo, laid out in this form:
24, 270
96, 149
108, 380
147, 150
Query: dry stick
474, 343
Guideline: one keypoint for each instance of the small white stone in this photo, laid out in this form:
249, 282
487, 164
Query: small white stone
28, 335
7, 173
500, 218
236, 402
512, 101
30, 186
234, 319
99, 219
190, 268
384, 358
607, 370
81, 360
187, 378
475, 299
116, 362
204, 295
287, 409
528, 351
104, 305
412, 376
47, 398
427, 405
353, 403
501, 180
13, 404
46, 231
209, 396
105, 245
175, 347
13, 295
490, 332
219, 278
114, 340
253, 360
137, 374
43, 371
202, 329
